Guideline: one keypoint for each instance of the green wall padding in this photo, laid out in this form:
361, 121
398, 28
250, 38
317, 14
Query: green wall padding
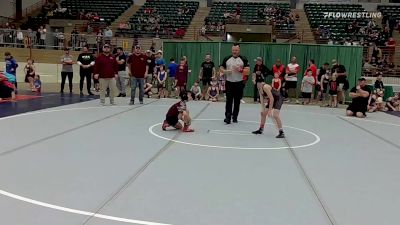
349, 56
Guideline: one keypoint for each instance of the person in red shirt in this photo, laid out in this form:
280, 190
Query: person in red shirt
278, 68
137, 70
182, 76
106, 70
176, 112
391, 47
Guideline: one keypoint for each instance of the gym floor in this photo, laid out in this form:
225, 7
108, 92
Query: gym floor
85, 164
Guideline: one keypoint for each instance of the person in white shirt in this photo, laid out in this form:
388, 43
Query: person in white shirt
108, 35
42, 40
292, 69
20, 38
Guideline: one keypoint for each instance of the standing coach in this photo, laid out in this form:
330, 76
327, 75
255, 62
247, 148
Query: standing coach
234, 67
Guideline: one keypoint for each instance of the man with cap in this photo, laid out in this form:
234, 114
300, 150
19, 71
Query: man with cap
137, 70
260, 73
360, 96
106, 70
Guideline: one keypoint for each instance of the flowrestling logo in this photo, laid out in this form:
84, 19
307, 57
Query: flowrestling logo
353, 15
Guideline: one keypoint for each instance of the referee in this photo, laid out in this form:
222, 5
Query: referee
234, 67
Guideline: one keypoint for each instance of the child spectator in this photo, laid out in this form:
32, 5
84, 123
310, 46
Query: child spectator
30, 73
195, 91
37, 84
378, 83
324, 83
11, 68
277, 82
161, 78
333, 91
392, 104
307, 87
213, 91
147, 89
221, 83
182, 76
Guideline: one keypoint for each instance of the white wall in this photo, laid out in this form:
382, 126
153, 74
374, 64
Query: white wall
7, 8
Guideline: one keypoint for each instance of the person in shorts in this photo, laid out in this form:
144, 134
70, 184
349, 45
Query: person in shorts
360, 95
271, 103
207, 73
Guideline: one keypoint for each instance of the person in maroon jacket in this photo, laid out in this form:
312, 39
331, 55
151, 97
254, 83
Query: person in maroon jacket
178, 111
182, 76
106, 70
137, 69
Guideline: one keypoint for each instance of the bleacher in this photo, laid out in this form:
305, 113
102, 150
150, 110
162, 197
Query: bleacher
170, 19
337, 26
106, 9
248, 11
390, 10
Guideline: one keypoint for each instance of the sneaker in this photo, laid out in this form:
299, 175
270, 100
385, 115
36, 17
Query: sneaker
141, 103
227, 121
102, 104
165, 125
187, 129
81, 94
91, 94
242, 101
123, 95
235, 121
131, 102
297, 102
120, 95
259, 131
281, 135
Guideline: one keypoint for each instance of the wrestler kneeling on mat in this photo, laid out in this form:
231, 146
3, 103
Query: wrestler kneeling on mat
178, 111
271, 103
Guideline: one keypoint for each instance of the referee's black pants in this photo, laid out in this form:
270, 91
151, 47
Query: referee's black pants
234, 93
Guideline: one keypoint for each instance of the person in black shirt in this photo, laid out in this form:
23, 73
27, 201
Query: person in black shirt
207, 73
86, 63
322, 84
378, 83
343, 83
260, 73
122, 80
360, 95
151, 62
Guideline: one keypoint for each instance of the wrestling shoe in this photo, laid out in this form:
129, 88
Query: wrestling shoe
165, 125
281, 135
259, 131
187, 129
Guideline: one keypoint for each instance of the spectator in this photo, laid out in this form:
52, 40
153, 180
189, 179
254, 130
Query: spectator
196, 91
122, 80
260, 72
20, 38
360, 95
29, 70
42, 31
307, 86
182, 76
106, 70
207, 73
378, 83
108, 34
86, 62
151, 63
333, 86
74, 38
159, 60
391, 48
6, 88
161, 78
278, 68
213, 91
341, 77
137, 70
37, 84
67, 60
234, 66
11, 67
292, 69
172, 69
322, 81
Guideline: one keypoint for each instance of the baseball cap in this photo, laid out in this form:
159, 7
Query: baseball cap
106, 46
362, 79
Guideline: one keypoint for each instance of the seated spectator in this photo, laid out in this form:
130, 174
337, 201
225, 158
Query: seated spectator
7, 89
360, 97
392, 104
378, 83
180, 32
368, 66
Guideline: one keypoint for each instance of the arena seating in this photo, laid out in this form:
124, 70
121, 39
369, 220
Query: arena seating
337, 26
170, 19
109, 10
248, 10
390, 10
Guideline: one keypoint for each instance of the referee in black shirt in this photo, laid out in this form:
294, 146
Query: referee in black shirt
234, 67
